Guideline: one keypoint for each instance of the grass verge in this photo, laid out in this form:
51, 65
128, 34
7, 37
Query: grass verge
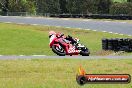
33, 40
49, 73
120, 0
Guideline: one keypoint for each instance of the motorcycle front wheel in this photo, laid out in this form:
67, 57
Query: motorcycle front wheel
58, 50
85, 52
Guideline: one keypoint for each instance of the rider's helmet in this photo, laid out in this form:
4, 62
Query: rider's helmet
51, 33
58, 35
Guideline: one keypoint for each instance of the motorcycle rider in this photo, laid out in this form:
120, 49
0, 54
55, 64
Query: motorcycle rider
53, 34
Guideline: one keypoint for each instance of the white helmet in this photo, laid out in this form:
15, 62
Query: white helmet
52, 33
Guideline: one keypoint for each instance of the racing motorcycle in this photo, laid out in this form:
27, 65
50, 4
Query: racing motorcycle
63, 47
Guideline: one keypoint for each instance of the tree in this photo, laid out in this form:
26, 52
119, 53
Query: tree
48, 6
74, 6
22, 6
63, 8
121, 8
129, 0
89, 6
4, 6
104, 6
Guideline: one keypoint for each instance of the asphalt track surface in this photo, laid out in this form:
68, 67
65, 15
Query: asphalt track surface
96, 25
64, 57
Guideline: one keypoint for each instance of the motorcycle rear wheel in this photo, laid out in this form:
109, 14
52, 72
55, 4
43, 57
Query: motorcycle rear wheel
58, 52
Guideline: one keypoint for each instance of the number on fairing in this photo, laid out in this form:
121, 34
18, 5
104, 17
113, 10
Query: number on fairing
72, 50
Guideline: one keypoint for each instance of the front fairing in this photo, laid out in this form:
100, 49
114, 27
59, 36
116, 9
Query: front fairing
52, 40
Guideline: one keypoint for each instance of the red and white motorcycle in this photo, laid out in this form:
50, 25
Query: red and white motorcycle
63, 47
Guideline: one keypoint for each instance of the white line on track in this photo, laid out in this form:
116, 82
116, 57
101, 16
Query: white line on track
121, 34
58, 26
20, 23
50, 18
67, 27
86, 20
28, 17
110, 32
104, 31
34, 24
129, 35
8, 22
88, 29
79, 28
123, 22
107, 21
94, 30
116, 33
65, 19
38, 55
21, 55
4, 16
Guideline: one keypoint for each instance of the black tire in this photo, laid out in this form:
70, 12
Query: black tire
85, 52
58, 52
105, 44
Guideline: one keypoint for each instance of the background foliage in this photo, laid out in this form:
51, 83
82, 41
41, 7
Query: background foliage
67, 6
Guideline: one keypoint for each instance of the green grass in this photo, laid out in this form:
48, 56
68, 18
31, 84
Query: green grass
56, 73
120, 0
31, 40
